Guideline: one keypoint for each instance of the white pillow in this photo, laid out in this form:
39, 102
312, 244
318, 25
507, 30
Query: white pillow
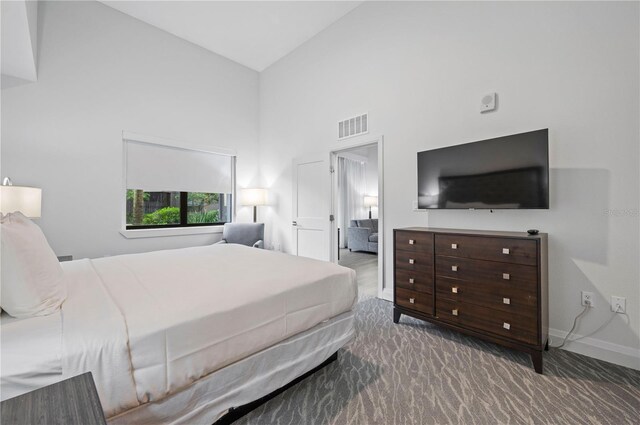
32, 279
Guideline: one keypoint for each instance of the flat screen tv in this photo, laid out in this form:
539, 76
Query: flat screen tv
510, 172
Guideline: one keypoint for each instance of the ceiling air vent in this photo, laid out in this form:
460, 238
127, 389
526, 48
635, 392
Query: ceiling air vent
353, 126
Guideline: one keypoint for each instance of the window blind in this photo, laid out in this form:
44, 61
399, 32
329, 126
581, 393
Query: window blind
158, 168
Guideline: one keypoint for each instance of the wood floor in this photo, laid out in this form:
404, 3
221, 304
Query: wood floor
366, 266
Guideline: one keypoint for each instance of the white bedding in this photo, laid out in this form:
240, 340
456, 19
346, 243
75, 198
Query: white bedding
31, 353
148, 325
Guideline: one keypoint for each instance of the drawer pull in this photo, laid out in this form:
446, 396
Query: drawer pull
410, 280
412, 300
454, 268
506, 326
454, 246
454, 289
505, 251
506, 300
411, 242
506, 276
411, 261
454, 311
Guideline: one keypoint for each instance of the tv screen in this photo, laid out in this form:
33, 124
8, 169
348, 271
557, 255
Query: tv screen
501, 173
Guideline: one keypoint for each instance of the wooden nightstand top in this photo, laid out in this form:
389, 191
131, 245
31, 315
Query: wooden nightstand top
72, 401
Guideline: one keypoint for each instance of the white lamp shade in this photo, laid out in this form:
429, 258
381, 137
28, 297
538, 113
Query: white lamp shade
253, 197
27, 200
370, 201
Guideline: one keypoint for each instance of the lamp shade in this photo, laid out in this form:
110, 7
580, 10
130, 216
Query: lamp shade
27, 200
253, 197
370, 201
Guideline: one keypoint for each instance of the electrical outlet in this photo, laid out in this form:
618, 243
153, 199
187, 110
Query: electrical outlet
587, 299
618, 304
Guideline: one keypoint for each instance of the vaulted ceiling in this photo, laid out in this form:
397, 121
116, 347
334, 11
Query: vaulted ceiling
253, 33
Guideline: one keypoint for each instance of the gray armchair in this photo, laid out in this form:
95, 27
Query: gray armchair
362, 235
249, 234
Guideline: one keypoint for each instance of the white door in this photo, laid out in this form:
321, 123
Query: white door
311, 205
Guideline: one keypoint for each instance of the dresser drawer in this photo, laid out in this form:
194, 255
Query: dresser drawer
483, 271
415, 281
414, 300
414, 261
512, 299
414, 241
497, 322
507, 250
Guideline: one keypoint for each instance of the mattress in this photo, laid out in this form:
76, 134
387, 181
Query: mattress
150, 325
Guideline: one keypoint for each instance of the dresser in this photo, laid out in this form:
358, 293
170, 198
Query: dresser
487, 284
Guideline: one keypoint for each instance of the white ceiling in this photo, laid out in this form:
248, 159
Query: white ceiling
253, 33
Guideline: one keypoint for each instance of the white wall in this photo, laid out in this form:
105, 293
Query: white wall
421, 68
19, 39
102, 72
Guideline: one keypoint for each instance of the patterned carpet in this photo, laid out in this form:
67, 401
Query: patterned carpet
418, 373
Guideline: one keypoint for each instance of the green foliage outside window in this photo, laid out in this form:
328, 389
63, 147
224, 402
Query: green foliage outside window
168, 215
163, 208
203, 217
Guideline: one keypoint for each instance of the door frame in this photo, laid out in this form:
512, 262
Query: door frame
358, 142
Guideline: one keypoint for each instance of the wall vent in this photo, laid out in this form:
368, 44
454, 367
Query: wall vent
353, 126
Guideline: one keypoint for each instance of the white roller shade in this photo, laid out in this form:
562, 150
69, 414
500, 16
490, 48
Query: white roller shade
158, 168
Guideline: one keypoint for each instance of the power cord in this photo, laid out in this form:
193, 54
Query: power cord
573, 328
575, 322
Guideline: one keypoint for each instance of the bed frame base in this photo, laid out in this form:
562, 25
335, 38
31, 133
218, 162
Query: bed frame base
236, 413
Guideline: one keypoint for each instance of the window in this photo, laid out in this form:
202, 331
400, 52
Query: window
170, 187
147, 210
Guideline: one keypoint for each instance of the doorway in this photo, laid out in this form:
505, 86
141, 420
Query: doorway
357, 205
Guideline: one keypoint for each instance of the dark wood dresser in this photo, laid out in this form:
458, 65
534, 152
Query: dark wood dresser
491, 285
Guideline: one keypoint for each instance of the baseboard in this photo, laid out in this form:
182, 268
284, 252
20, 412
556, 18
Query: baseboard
599, 349
387, 294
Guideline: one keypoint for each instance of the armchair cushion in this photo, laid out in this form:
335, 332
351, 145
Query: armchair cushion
249, 234
362, 235
365, 223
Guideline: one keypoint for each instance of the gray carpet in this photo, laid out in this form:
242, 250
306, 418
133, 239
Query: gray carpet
418, 373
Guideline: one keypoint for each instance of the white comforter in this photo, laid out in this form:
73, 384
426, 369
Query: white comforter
150, 324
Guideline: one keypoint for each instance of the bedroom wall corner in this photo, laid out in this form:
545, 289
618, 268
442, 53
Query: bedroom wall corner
101, 72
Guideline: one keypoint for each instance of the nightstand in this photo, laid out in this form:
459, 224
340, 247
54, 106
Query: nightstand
72, 401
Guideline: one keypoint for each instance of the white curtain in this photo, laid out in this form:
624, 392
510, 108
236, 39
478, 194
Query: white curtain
351, 191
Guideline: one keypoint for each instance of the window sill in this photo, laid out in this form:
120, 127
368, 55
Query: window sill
176, 231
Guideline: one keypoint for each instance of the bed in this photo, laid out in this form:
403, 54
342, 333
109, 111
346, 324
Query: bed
182, 336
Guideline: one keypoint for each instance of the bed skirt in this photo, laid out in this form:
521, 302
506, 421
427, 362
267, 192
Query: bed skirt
209, 398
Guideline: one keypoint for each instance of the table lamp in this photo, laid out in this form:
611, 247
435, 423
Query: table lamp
27, 200
253, 198
370, 201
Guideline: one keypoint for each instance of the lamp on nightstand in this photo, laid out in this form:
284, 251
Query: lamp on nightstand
27, 200
253, 198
